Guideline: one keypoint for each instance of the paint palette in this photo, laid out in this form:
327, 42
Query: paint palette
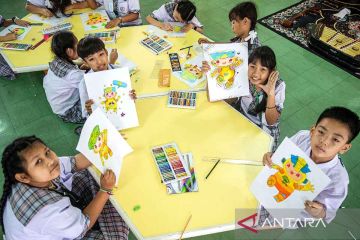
15, 46
106, 37
170, 163
175, 62
182, 99
156, 44
57, 28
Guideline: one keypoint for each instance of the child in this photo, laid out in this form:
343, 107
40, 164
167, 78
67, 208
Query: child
122, 12
62, 80
41, 192
5, 69
265, 102
49, 8
243, 19
177, 11
92, 50
332, 135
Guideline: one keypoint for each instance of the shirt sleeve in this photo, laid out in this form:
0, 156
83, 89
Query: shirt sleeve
60, 219
83, 97
75, 78
134, 6
196, 22
160, 14
38, 3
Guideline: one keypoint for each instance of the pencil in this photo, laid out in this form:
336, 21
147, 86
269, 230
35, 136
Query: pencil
11, 31
187, 223
186, 47
212, 169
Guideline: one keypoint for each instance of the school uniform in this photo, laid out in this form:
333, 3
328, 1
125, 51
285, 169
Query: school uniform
165, 14
252, 40
61, 88
44, 214
247, 104
5, 69
122, 8
48, 4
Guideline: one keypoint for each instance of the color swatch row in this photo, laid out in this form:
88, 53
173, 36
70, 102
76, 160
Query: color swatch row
156, 44
182, 99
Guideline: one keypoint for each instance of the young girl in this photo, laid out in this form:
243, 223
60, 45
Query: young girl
243, 19
122, 12
176, 11
40, 196
61, 82
49, 8
5, 69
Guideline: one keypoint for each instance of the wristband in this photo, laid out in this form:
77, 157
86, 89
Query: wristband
108, 191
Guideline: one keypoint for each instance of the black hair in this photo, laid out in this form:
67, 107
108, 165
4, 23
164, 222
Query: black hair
267, 58
186, 9
12, 163
89, 45
59, 5
345, 116
60, 42
243, 10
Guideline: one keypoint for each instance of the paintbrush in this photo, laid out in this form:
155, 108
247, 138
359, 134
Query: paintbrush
212, 169
187, 223
186, 47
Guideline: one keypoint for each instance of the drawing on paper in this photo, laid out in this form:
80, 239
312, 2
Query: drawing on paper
192, 73
290, 177
225, 63
98, 143
110, 97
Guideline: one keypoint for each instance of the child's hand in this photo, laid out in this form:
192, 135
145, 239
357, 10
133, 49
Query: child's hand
205, 67
113, 56
21, 22
84, 66
269, 88
203, 40
315, 209
166, 27
267, 159
132, 94
46, 12
113, 23
88, 104
187, 28
9, 37
107, 180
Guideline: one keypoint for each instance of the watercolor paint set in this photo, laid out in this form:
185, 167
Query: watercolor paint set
15, 46
106, 37
175, 62
156, 44
182, 99
57, 28
170, 163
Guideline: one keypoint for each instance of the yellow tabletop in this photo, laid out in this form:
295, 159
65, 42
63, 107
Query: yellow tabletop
212, 130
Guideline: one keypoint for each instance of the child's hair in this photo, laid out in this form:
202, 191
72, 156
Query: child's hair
12, 163
89, 45
59, 5
345, 116
267, 58
243, 10
62, 41
186, 10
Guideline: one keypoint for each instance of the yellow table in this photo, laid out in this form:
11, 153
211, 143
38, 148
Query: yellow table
212, 130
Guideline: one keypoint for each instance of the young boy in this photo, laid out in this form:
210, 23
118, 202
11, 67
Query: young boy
92, 50
332, 135
177, 11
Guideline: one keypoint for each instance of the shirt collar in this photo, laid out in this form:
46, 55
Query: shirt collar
251, 37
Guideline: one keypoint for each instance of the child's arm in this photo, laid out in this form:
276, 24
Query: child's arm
92, 4
190, 26
128, 18
113, 56
315, 209
8, 37
77, 5
95, 207
8, 22
271, 113
38, 10
163, 26
81, 162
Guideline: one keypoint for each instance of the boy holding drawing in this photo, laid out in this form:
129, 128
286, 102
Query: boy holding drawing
332, 135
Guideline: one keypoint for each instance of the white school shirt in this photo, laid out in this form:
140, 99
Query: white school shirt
57, 221
124, 7
62, 93
48, 4
335, 193
162, 15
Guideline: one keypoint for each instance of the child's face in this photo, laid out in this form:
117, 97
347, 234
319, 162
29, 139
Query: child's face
240, 27
72, 53
329, 138
98, 61
257, 73
41, 164
177, 16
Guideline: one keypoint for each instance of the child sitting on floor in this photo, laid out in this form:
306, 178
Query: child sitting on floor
177, 11
53, 198
332, 134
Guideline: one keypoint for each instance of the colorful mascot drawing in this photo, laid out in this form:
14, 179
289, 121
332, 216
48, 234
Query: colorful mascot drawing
111, 96
290, 177
98, 143
191, 73
95, 19
18, 31
225, 63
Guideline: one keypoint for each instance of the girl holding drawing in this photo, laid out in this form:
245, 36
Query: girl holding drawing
40, 196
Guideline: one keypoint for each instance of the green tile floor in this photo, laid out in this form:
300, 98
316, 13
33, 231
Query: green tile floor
312, 85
